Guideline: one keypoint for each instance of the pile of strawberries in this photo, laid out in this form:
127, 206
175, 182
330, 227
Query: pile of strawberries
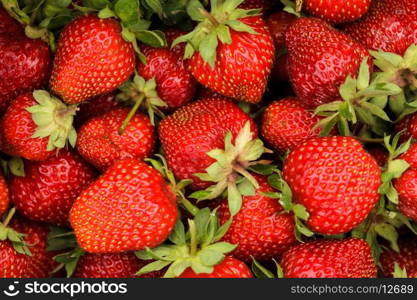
214, 139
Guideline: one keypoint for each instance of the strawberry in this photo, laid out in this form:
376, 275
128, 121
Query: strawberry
229, 268
239, 63
349, 258
264, 5
406, 258
19, 134
335, 179
24, 63
379, 154
174, 83
13, 263
4, 195
390, 25
335, 11
317, 68
278, 24
48, 188
95, 106
286, 124
261, 230
171, 34
101, 143
129, 207
92, 58
8, 25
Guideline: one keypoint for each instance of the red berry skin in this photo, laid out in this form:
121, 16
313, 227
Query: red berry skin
260, 229
195, 129
279, 72
336, 180
128, 208
174, 83
95, 106
17, 128
92, 58
265, 5
286, 124
349, 258
406, 258
13, 264
4, 195
171, 34
111, 265
229, 268
100, 143
49, 188
242, 68
319, 60
379, 154
390, 25
8, 25
335, 11
24, 65
278, 24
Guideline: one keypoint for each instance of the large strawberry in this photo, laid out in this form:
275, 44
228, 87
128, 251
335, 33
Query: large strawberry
336, 180
319, 60
406, 258
129, 207
335, 11
349, 258
229, 268
286, 123
27, 132
101, 142
390, 25
92, 58
4, 195
48, 188
261, 229
230, 51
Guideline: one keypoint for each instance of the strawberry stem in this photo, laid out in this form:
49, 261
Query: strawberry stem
132, 112
191, 208
209, 16
9, 217
193, 237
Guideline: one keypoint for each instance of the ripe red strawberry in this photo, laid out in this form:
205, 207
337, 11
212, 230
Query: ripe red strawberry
110, 265
229, 268
260, 229
24, 63
404, 126
8, 25
286, 124
171, 34
264, 5
101, 144
319, 60
48, 189
336, 180
13, 264
406, 258
174, 83
92, 58
95, 106
349, 258
278, 24
390, 26
335, 11
233, 63
195, 129
4, 195
379, 154
129, 207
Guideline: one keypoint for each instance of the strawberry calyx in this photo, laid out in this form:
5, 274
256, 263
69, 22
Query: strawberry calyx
16, 238
54, 119
199, 248
399, 272
261, 272
16, 166
161, 165
230, 170
363, 101
142, 93
214, 27
293, 7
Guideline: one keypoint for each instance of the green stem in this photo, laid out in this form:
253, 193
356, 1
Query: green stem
132, 112
208, 16
9, 217
191, 208
193, 237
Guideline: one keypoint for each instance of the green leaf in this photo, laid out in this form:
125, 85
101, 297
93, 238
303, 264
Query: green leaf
209, 257
260, 271
127, 11
301, 212
222, 247
223, 33
194, 8
240, 26
16, 166
246, 188
376, 110
348, 89
397, 167
222, 230
177, 235
388, 232
364, 76
208, 48
153, 266
234, 199
154, 38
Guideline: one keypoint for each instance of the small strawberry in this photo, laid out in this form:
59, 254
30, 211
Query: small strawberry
260, 230
230, 51
335, 11
95, 106
229, 268
129, 207
25, 127
101, 143
349, 258
390, 25
286, 124
336, 180
174, 83
92, 58
317, 69
4, 195
406, 258
48, 188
